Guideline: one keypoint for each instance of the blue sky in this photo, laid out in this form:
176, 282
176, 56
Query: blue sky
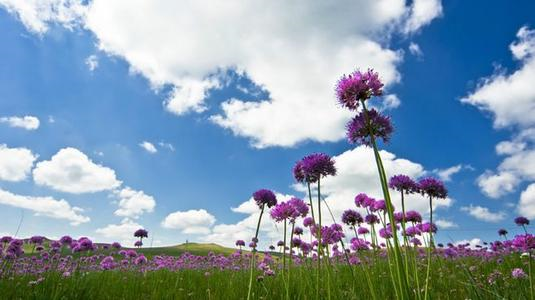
230, 98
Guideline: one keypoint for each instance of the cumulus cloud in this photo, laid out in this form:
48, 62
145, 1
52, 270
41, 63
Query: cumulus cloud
133, 203
472, 242
15, 163
45, 206
26, 122
71, 171
38, 15
123, 232
295, 51
483, 213
526, 206
190, 222
148, 146
445, 224
510, 98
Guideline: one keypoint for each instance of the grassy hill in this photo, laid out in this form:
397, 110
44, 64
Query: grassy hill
193, 248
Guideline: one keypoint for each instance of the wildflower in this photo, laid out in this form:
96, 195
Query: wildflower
518, 273
265, 197
371, 219
357, 86
300, 207
298, 231
308, 221
351, 218
367, 123
240, 243
116, 245
138, 244
413, 216
66, 240
141, 233
141, 259
432, 187
359, 244
363, 230
502, 232
315, 166
521, 221
37, 239
283, 211
403, 183
107, 263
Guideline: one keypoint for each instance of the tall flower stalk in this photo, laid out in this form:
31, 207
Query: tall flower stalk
365, 128
311, 169
262, 198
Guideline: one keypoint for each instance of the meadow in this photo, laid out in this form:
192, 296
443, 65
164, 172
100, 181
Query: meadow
373, 251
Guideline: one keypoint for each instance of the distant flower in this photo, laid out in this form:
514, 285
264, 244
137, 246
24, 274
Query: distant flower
413, 216
371, 219
416, 241
359, 244
240, 243
363, 125
280, 243
314, 166
502, 232
138, 244
308, 221
519, 273
363, 230
386, 232
351, 217
403, 183
300, 207
289, 210
427, 227
271, 247
37, 239
379, 205
140, 260
265, 197
521, 221
357, 86
6, 239
412, 231
66, 240
432, 187
141, 233
362, 200
116, 245
298, 230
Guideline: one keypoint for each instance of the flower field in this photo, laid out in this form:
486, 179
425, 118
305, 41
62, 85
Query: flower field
374, 251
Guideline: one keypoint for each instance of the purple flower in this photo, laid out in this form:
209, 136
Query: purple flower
524, 242
140, 260
138, 244
351, 217
37, 239
432, 187
298, 231
357, 86
330, 234
308, 221
416, 241
521, 221
6, 239
519, 273
413, 216
371, 219
385, 233
107, 263
296, 242
66, 240
313, 167
141, 233
116, 245
379, 205
362, 200
427, 227
300, 206
240, 243
359, 130
403, 183
359, 244
412, 231
290, 210
280, 243
265, 197
502, 232
363, 230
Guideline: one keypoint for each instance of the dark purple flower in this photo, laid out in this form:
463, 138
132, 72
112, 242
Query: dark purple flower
351, 217
363, 230
362, 200
521, 221
357, 86
412, 231
315, 166
502, 232
141, 233
427, 227
240, 243
359, 130
116, 245
37, 239
432, 187
403, 183
265, 197
300, 207
140, 260
385, 233
359, 244
298, 231
379, 205
66, 240
138, 244
371, 219
413, 216
6, 239
308, 221
280, 243
519, 273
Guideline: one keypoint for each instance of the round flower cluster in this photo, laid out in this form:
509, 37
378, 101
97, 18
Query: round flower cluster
367, 123
265, 197
314, 166
358, 86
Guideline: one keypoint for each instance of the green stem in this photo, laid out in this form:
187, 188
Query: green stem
318, 271
253, 254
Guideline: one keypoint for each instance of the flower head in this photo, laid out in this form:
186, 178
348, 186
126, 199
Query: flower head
351, 217
138, 244
502, 232
308, 221
37, 239
357, 86
363, 230
403, 183
362, 200
314, 166
265, 197
301, 208
141, 233
413, 216
363, 125
519, 273
240, 243
298, 230
432, 187
521, 221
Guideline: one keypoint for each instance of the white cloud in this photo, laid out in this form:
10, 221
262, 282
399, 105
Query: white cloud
483, 213
526, 206
133, 203
293, 50
37, 15
190, 222
167, 145
26, 122
446, 174
473, 242
123, 232
92, 62
415, 50
45, 206
510, 98
148, 146
70, 170
422, 12
445, 224
15, 163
